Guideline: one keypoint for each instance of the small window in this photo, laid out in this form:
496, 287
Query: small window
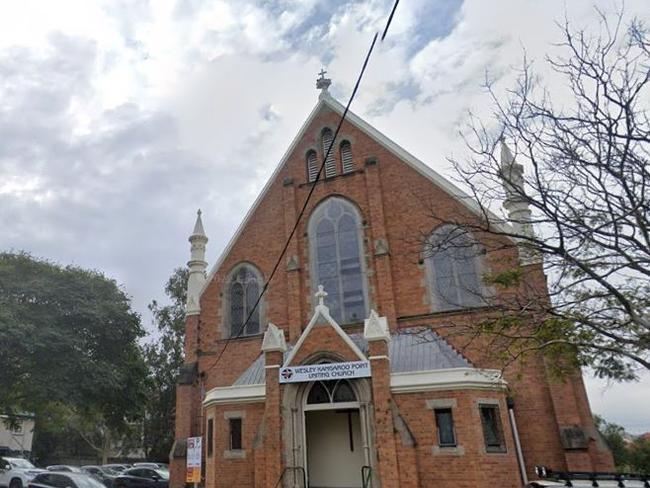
346, 157
445, 427
210, 435
492, 430
235, 434
330, 162
312, 166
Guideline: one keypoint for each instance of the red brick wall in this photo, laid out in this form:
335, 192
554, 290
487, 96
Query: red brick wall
395, 202
224, 472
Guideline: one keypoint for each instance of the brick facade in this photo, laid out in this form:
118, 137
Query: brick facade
393, 198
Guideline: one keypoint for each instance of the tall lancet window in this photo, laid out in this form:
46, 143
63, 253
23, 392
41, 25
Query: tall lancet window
243, 291
335, 239
330, 163
312, 166
454, 263
346, 156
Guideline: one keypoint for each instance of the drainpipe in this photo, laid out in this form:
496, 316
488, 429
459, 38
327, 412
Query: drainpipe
510, 402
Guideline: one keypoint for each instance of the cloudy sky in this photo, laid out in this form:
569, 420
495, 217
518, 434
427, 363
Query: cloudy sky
119, 119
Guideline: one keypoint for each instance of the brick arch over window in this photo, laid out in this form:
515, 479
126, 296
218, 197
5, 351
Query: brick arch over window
337, 258
454, 266
241, 290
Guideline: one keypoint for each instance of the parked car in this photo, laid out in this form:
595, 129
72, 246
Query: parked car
64, 467
151, 465
117, 467
139, 477
16, 472
101, 473
64, 479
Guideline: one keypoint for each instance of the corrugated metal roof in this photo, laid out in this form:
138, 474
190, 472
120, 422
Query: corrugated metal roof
414, 349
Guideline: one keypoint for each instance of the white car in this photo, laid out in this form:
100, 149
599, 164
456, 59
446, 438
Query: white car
16, 472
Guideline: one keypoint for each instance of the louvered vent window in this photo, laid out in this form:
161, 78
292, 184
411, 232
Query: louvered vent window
330, 163
312, 166
346, 157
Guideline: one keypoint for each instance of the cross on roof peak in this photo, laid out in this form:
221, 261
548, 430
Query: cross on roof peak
320, 295
323, 83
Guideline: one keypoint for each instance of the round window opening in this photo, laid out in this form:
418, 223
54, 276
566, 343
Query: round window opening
331, 391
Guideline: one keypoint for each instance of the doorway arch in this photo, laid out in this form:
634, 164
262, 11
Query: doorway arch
357, 394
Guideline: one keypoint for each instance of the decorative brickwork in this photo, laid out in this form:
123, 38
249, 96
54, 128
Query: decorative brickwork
394, 196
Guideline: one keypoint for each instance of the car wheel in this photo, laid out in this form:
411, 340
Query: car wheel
16, 483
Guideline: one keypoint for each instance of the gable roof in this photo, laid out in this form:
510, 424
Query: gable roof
326, 100
322, 317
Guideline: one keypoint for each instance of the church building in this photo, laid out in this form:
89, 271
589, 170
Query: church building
348, 372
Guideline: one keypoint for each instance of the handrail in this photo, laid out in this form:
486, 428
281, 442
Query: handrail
293, 468
568, 476
366, 476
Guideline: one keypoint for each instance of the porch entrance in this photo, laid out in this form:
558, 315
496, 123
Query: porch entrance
334, 439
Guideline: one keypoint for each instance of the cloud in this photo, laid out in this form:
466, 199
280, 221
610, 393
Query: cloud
120, 118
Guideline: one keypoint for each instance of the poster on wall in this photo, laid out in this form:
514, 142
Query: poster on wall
323, 372
193, 460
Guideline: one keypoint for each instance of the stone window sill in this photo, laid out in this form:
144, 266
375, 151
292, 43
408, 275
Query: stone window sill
448, 451
234, 454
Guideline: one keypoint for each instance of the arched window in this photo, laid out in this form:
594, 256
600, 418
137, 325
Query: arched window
454, 262
335, 239
331, 391
346, 156
330, 163
243, 291
312, 166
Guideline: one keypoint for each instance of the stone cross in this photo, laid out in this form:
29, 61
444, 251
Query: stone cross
323, 83
321, 294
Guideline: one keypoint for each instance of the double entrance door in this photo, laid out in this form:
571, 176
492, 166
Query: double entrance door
334, 439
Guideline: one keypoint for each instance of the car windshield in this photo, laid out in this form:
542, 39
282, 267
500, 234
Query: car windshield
87, 481
109, 471
163, 473
21, 463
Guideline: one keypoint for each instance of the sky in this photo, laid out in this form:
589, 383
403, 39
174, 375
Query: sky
119, 119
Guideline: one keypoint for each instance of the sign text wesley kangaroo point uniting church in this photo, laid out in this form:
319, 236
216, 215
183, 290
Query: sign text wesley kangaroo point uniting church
329, 371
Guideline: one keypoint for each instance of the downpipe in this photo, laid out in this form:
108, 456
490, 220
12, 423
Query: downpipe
510, 402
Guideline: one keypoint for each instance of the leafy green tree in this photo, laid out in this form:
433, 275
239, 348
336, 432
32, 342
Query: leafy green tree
68, 340
639, 455
614, 435
164, 357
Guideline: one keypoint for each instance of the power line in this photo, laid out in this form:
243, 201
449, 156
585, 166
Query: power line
311, 191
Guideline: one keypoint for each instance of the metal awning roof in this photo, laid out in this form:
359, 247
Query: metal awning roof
410, 350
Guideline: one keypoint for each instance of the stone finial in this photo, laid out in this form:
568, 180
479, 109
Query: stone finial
515, 204
197, 266
198, 225
323, 83
375, 328
320, 295
274, 339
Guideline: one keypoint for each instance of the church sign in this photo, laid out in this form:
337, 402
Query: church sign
328, 371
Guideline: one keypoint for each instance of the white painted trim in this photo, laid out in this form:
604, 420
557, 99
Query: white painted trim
392, 146
322, 310
447, 379
378, 357
235, 394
